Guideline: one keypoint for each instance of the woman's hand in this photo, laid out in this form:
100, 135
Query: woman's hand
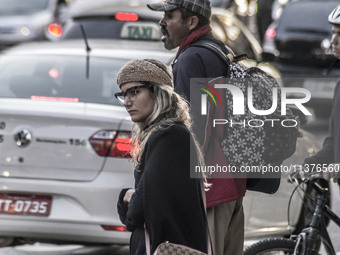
128, 195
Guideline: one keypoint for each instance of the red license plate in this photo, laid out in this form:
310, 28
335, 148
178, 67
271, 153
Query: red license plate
36, 205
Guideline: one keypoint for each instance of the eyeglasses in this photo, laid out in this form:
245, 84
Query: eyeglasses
131, 94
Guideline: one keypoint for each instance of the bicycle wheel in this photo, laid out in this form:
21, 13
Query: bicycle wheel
271, 246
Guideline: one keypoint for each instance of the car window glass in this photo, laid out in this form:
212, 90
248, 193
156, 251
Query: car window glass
60, 78
109, 28
99, 2
19, 7
112, 29
83, 5
292, 21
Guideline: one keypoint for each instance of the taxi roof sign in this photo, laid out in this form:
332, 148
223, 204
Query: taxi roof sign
140, 31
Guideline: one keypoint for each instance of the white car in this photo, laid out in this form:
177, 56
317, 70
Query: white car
64, 139
64, 143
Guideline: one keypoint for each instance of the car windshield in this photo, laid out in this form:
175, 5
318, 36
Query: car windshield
115, 18
20, 7
79, 5
60, 78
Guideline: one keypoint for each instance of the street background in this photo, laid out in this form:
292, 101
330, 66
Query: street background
317, 127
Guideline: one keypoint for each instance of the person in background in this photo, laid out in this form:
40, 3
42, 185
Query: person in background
186, 22
164, 198
330, 152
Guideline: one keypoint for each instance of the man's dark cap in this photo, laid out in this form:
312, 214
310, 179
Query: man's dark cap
201, 7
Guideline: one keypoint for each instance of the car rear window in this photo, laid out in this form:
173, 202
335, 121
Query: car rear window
60, 78
110, 28
295, 19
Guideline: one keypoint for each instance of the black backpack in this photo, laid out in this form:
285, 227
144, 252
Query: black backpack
265, 142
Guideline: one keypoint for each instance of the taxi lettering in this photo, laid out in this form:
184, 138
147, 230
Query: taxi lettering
138, 32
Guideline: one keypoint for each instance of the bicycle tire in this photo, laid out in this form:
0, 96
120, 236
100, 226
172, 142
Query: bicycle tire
271, 246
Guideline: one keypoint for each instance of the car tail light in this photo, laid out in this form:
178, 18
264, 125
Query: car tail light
114, 228
55, 30
123, 16
109, 143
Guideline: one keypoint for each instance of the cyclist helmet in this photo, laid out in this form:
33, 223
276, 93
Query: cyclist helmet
334, 17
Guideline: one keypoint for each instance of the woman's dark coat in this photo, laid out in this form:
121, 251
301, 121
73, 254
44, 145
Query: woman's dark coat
166, 198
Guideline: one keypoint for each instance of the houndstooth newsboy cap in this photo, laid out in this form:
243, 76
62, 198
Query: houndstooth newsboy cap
201, 7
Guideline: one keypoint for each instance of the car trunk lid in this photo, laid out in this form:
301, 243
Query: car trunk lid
51, 140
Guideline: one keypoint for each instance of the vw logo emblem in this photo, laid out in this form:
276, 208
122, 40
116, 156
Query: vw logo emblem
23, 138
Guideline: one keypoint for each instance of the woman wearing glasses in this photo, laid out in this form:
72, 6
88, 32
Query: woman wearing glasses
165, 198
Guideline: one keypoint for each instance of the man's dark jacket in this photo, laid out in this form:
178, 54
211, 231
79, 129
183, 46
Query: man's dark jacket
197, 62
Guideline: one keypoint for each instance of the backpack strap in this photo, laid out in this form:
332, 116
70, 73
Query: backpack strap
227, 58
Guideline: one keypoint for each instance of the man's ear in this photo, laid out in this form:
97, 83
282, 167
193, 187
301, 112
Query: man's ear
193, 22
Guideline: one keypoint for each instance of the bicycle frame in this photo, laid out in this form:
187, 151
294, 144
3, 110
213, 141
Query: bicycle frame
309, 238
324, 234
